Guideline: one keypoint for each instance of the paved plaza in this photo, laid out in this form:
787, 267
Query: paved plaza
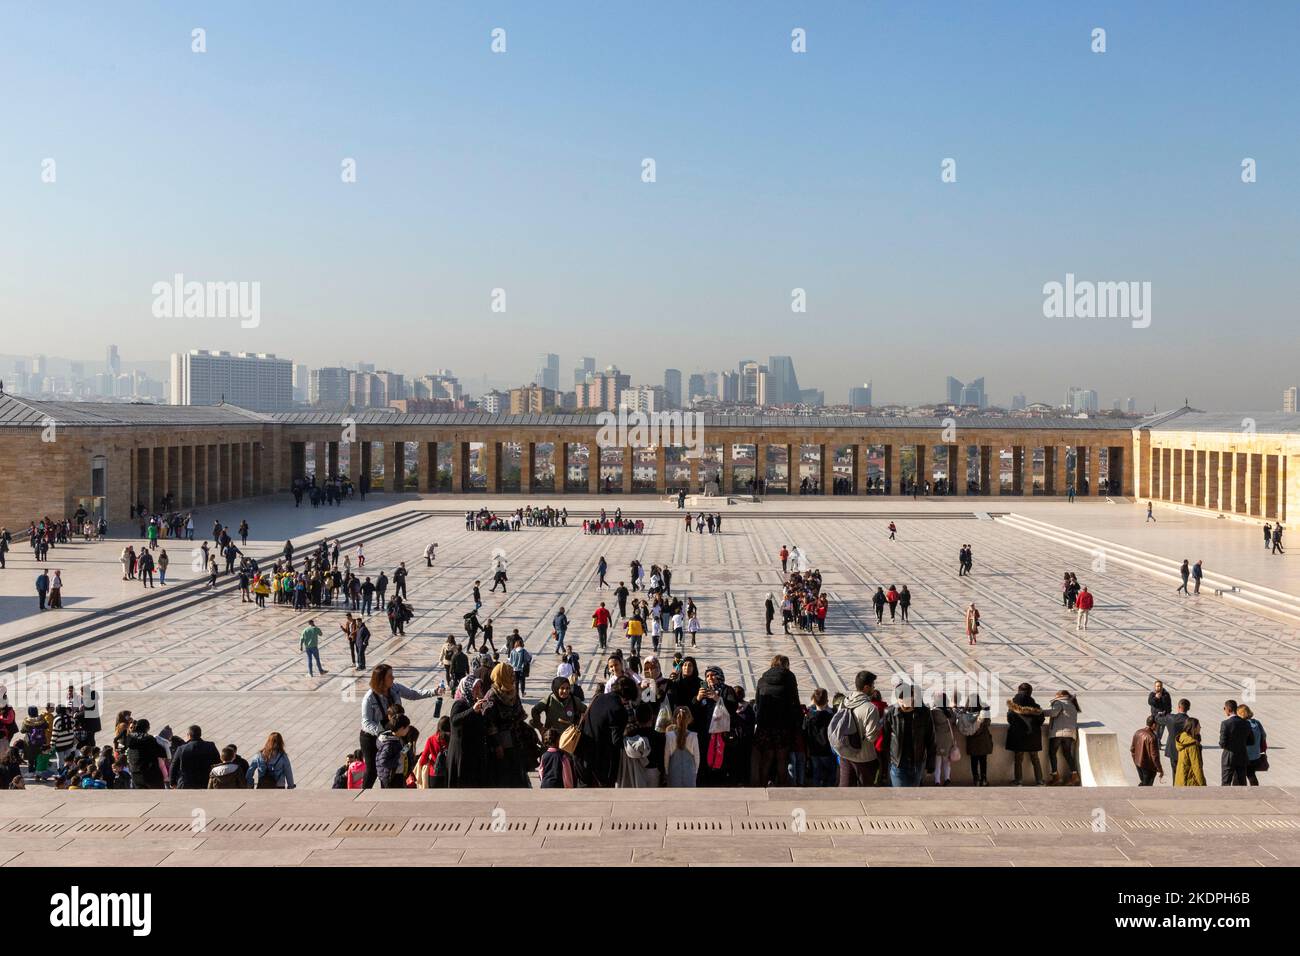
188, 657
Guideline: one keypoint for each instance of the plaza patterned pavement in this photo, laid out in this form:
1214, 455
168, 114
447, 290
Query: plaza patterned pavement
236, 670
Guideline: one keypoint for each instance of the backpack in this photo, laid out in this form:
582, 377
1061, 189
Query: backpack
842, 731
439, 776
356, 775
267, 778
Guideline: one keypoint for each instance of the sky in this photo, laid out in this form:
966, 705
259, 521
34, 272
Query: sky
774, 171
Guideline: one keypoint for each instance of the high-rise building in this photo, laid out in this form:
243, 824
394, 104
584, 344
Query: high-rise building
1018, 401
586, 368
367, 390
1289, 399
1081, 400
1130, 405
860, 397
970, 393
753, 384
729, 387
673, 387
714, 387
695, 387
39, 366
394, 385
301, 381
257, 381
548, 372
329, 387
365, 366
782, 382
113, 362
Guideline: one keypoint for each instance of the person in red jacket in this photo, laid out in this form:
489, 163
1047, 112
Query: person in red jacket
600, 621
892, 597
1082, 605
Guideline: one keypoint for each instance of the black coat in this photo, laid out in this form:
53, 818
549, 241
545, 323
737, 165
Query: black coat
467, 747
142, 753
602, 738
776, 701
1234, 735
192, 763
1024, 728
1175, 723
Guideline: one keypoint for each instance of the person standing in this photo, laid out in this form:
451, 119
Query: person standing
769, 610
777, 715
904, 603
907, 736
1190, 770
1063, 737
1257, 750
1175, 721
56, 589
1184, 572
383, 694
878, 602
1197, 574
1235, 737
1145, 750
785, 559
600, 620
1161, 704
601, 568
1025, 732
193, 761
42, 587
1082, 607
972, 624
1268, 535
310, 642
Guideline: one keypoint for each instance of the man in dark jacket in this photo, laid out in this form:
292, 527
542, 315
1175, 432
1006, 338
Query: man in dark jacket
1174, 723
142, 755
601, 746
908, 734
1235, 736
1161, 704
193, 761
776, 716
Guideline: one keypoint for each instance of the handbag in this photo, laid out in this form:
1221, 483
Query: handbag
572, 734
954, 754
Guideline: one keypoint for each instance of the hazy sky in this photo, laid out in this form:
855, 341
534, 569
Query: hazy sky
775, 170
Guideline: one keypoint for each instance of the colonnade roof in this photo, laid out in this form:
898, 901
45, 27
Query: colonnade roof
35, 413
380, 416
1192, 420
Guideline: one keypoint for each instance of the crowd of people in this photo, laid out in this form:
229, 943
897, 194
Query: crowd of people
485, 520
334, 490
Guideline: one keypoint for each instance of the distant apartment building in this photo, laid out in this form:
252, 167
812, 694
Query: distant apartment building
329, 387
753, 384
644, 398
257, 381
548, 372
968, 393
1081, 400
494, 402
1288, 399
860, 397
603, 390
532, 400
728, 389
695, 387
301, 381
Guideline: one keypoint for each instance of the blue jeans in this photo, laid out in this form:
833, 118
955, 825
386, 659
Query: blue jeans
823, 771
798, 764
314, 652
905, 776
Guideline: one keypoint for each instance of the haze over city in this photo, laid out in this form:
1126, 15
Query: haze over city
522, 170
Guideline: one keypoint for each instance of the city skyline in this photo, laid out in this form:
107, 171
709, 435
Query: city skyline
457, 196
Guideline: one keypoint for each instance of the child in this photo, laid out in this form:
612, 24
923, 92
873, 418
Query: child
556, 766
356, 771
388, 753
121, 776
681, 750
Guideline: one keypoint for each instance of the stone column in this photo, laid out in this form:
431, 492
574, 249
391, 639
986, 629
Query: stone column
728, 467
694, 480
1094, 470
246, 468
212, 461
861, 468
527, 450
987, 478
459, 466
332, 459
492, 465
1017, 469
921, 466
259, 468
827, 481
561, 461
792, 455
957, 470
593, 468
760, 467
661, 469
889, 469
185, 498
629, 458
1270, 491
1060, 469
1227, 490
390, 466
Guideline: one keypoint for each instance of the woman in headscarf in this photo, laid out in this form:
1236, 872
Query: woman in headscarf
467, 745
509, 754
713, 712
683, 688
1189, 771
560, 710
